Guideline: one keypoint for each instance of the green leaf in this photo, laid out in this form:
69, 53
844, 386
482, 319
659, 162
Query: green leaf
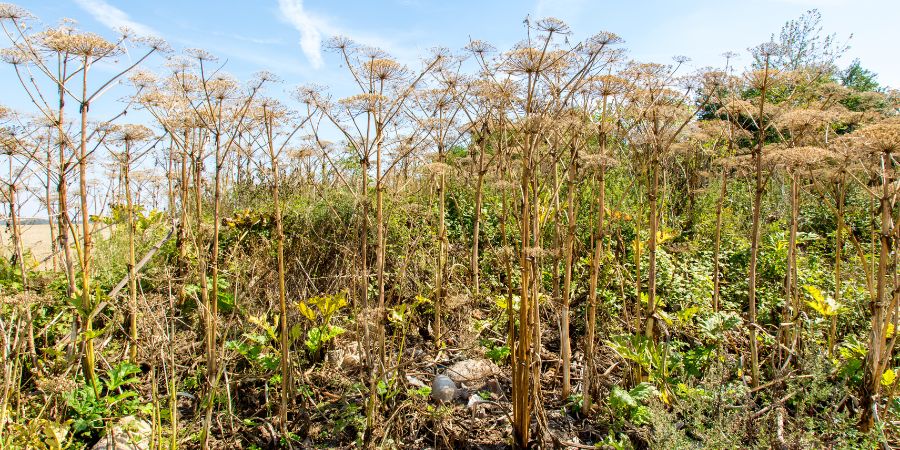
643, 391
621, 400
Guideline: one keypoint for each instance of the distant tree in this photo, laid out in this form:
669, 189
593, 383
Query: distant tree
864, 90
859, 79
801, 45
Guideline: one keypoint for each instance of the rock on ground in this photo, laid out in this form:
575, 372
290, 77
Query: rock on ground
129, 433
443, 389
472, 370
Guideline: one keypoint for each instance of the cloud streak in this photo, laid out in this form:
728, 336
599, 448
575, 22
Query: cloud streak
114, 18
311, 29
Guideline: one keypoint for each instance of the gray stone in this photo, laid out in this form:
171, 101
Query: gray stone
129, 433
443, 389
472, 370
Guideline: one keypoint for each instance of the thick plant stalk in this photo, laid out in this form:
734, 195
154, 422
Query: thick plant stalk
521, 382
717, 271
592, 292
63, 223
212, 372
286, 385
18, 249
181, 270
653, 219
476, 225
793, 287
564, 341
88, 363
790, 309
442, 248
132, 275
874, 365
51, 219
838, 256
754, 236
203, 257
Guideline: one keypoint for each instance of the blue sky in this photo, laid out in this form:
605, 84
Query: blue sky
284, 36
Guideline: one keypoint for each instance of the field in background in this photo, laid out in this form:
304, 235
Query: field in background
36, 238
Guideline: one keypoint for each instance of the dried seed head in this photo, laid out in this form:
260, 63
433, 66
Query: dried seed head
310, 94
882, 137
601, 40
89, 45
56, 385
264, 76
154, 43
340, 43
792, 158
132, 133
143, 79
15, 56
8, 11
383, 69
552, 25
479, 47
200, 54
363, 102
222, 87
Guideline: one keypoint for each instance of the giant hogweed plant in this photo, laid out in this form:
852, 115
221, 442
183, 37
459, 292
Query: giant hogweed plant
318, 311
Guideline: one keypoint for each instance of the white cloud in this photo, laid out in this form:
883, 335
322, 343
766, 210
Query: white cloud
113, 17
405, 46
310, 29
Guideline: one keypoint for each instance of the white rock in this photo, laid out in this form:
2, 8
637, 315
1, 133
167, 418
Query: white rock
129, 433
415, 382
472, 370
443, 389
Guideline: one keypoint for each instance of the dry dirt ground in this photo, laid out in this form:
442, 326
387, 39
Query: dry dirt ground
36, 238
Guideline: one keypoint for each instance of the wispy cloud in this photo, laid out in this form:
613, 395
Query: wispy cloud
310, 27
113, 17
405, 46
251, 39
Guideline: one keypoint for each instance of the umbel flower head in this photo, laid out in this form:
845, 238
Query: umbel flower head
792, 158
552, 25
89, 45
479, 47
8, 11
15, 56
131, 133
363, 102
9, 143
882, 137
383, 69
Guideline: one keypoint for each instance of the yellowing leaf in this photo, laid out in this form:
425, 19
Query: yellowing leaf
306, 311
664, 235
888, 377
826, 306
